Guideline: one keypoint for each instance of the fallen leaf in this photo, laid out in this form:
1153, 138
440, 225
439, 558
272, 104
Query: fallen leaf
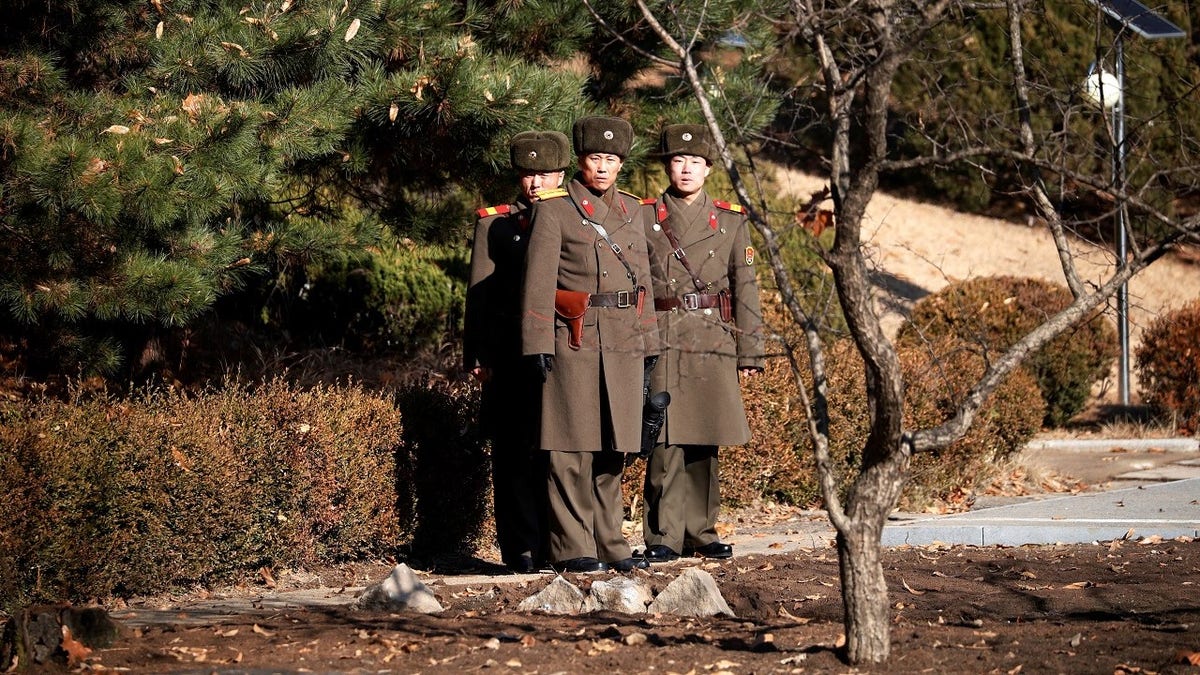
262, 631
1152, 539
1075, 640
910, 589
76, 650
118, 129
1185, 656
493, 643
158, 31
352, 30
635, 639
267, 577
1078, 585
393, 111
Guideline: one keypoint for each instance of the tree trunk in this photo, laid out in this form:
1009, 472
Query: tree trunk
864, 594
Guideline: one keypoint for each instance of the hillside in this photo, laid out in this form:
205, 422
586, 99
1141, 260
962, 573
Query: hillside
916, 249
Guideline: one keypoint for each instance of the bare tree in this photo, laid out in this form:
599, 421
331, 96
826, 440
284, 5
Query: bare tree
858, 48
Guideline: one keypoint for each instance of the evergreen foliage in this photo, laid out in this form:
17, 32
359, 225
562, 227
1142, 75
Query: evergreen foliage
157, 157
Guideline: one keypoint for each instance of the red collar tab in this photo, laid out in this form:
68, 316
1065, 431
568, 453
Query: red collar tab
712, 219
587, 206
726, 206
661, 212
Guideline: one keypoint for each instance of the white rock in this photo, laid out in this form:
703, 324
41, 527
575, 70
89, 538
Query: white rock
401, 591
619, 595
560, 597
693, 593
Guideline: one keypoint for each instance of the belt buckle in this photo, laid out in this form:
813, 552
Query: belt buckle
623, 300
691, 301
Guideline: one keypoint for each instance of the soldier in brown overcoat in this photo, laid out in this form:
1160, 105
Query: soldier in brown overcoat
492, 350
709, 320
589, 328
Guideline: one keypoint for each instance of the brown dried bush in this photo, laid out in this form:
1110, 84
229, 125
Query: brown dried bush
994, 312
1168, 367
121, 496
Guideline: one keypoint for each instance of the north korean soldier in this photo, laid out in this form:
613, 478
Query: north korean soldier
492, 350
589, 330
709, 320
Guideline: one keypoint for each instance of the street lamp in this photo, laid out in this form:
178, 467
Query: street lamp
1109, 90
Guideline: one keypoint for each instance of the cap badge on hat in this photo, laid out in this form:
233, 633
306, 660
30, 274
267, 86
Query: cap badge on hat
533, 154
687, 136
608, 135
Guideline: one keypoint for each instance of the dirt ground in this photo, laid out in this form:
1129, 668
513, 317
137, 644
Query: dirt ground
1124, 607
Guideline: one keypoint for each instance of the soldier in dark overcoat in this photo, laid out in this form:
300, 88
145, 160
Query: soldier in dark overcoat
492, 350
709, 320
589, 326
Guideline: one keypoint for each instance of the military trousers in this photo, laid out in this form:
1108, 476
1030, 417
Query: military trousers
682, 497
518, 466
585, 506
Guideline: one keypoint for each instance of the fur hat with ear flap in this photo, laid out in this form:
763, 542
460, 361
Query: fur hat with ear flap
608, 135
539, 151
685, 139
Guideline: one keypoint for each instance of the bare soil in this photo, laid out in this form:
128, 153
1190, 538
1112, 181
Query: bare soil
1122, 607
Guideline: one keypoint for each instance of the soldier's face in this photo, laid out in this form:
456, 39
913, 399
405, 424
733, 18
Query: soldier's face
533, 182
687, 174
599, 170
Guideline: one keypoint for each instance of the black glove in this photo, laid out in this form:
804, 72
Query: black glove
541, 364
650, 362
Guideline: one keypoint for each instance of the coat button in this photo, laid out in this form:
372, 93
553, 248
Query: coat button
712, 254
672, 282
707, 312
722, 230
604, 273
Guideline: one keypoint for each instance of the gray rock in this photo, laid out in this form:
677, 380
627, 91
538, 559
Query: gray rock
693, 593
619, 595
560, 597
401, 591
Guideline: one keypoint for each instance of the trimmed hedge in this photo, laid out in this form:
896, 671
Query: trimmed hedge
1168, 366
108, 496
992, 313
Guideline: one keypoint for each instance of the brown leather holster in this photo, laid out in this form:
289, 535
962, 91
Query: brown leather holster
570, 306
725, 305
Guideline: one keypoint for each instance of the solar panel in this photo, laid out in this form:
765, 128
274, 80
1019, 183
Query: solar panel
1140, 19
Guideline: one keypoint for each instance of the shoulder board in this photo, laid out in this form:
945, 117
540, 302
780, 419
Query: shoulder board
551, 194
630, 195
494, 210
726, 206
648, 201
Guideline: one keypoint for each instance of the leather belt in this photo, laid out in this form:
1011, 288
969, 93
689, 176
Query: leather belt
620, 299
688, 301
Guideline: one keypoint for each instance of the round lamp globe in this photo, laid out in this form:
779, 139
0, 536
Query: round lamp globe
1102, 88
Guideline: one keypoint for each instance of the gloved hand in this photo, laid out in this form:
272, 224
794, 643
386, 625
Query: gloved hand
542, 364
650, 362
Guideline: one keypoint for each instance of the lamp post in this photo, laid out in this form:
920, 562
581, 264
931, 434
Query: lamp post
1136, 17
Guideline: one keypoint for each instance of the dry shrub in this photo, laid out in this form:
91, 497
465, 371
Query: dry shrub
994, 312
1168, 365
126, 496
936, 380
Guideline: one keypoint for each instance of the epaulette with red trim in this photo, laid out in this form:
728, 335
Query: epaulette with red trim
726, 206
494, 210
648, 201
552, 194
630, 195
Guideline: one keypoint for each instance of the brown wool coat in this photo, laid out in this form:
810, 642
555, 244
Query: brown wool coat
702, 353
565, 252
492, 325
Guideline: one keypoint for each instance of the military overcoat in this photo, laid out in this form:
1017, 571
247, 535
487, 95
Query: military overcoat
492, 331
702, 353
605, 374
